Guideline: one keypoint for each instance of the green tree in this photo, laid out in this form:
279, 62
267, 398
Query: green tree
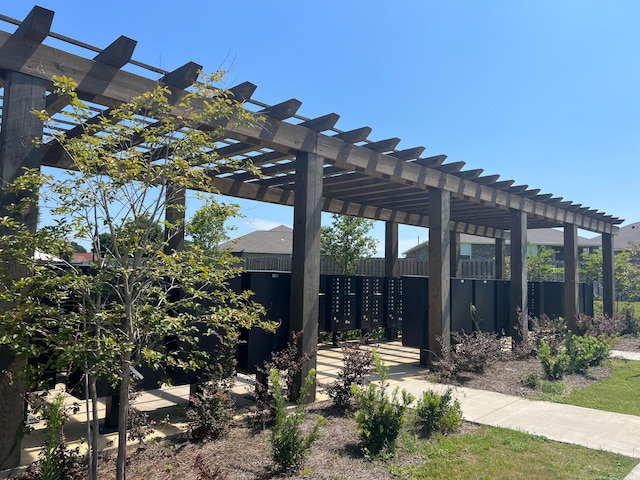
347, 241
627, 272
540, 265
207, 227
115, 316
591, 266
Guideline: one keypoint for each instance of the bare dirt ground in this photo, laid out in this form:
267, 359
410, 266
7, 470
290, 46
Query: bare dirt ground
245, 453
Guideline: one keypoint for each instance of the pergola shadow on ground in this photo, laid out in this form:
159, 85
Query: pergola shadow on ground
166, 406
306, 163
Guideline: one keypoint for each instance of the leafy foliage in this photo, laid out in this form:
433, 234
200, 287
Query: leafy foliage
627, 272
469, 353
207, 226
130, 168
574, 355
553, 364
55, 459
288, 362
347, 241
357, 363
289, 445
212, 407
380, 414
438, 413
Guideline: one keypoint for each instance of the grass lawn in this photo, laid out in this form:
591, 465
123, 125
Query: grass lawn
490, 453
618, 393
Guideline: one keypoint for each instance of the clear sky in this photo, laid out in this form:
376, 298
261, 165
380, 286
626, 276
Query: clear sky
544, 92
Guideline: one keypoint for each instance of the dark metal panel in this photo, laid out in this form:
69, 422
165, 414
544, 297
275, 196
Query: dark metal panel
415, 311
484, 301
461, 301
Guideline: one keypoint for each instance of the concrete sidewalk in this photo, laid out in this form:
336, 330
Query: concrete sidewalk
594, 429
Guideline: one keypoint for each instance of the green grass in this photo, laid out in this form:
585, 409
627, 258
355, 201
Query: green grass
618, 393
490, 453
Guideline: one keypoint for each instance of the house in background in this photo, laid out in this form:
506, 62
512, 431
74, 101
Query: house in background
626, 236
481, 248
277, 242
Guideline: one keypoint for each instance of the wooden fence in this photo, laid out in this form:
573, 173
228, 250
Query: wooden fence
469, 268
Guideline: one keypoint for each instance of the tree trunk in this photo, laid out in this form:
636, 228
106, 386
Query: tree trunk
123, 416
95, 425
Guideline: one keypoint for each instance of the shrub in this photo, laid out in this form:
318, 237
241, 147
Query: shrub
601, 325
586, 351
438, 413
56, 461
288, 362
470, 353
554, 364
531, 380
212, 406
357, 362
289, 446
380, 415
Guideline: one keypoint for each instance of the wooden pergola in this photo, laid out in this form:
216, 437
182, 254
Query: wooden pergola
311, 165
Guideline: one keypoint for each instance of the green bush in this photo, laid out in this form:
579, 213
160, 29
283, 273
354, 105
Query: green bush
289, 446
380, 415
553, 364
586, 351
357, 362
438, 413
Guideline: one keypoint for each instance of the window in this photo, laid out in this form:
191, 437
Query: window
465, 251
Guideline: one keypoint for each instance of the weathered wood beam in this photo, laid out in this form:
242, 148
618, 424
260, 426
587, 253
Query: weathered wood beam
387, 145
488, 180
243, 91
518, 305
434, 161
116, 55
182, 77
471, 174
354, 136
438, 331
323, 123
22, 95
109, 89
453, 167
283, 110
305, 263
571, 277
409, 153
608, 276
36, 26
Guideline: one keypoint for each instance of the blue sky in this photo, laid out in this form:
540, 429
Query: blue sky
546, 93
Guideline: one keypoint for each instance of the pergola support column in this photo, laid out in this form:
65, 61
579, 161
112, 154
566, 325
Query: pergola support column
391, 264
22, 95
608, 283
518, 305
438, 332
175, 217
500, 255
305, 260
571, 279
454, 251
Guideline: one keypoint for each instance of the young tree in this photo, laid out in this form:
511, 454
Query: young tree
627, 272
347, 241
540, 265
130, 167
591, 266
207, 227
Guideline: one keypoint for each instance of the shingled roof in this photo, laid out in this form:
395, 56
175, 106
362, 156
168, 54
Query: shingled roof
278, 240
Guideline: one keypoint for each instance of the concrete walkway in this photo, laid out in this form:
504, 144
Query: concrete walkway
594, 429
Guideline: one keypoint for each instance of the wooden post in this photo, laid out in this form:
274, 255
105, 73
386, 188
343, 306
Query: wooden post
175, 217
518, 305
391, 265
454, 252
501, 247
305, 259
439, 329
571, 279
22, 95
608, 277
